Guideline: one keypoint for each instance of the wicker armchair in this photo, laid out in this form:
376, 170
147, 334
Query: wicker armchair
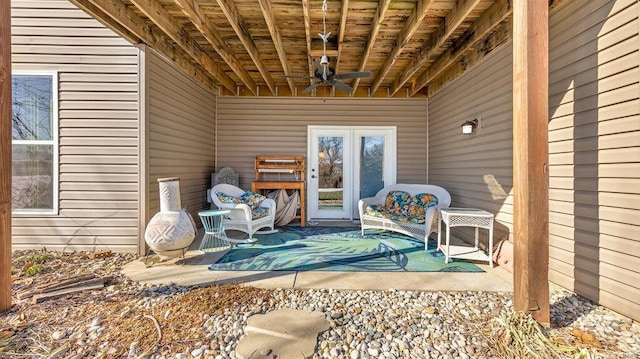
241, 216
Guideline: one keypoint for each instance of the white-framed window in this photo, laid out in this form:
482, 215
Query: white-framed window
34, 105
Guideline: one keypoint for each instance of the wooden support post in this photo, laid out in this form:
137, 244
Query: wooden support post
530, 157
5, 155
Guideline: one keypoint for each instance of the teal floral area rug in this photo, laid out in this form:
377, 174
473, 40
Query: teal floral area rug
338, 249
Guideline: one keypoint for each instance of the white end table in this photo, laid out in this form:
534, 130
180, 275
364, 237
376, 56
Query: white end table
467, 217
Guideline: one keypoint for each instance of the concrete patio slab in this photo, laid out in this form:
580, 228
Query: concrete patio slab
492, 280
194, 270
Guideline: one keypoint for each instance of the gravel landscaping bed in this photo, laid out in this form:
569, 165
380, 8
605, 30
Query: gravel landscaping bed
131, 320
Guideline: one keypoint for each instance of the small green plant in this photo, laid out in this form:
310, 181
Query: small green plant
32, 268
38, 257
32, 263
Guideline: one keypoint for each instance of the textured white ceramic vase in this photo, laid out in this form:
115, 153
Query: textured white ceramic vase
172, 229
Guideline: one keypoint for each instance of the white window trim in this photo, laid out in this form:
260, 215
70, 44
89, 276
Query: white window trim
55, 124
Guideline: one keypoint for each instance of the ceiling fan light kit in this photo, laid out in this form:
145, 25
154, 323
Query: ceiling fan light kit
324, 60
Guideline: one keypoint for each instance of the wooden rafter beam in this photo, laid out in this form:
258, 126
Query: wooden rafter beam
410, 26
376, 24
5, 155
161, 17
270, 19
120, 14
154, 39
307, 35
200, 21
449, 24
492, 17
236, 21
319, 52
344, 11
106, 20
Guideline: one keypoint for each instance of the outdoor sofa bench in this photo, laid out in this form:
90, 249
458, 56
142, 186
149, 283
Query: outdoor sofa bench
410, 209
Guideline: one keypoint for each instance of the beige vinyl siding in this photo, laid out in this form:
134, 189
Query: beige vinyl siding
594, 148
98, 127
181, 142
250, 126
476, 169
594, 151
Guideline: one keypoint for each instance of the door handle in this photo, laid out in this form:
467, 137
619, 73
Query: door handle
313, 176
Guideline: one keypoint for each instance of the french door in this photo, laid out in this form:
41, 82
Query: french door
346, 164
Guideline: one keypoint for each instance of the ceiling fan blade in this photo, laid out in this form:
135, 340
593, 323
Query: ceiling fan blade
352, 75
311, 87
339, 85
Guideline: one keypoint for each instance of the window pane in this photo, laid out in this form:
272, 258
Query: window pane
32, 107
32, 181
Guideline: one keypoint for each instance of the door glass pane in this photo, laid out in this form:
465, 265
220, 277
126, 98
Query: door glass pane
330, 173
371, 166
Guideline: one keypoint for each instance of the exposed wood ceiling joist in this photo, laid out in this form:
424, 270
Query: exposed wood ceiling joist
236, 21
344, 11
448, 26
256, 48
199, 19
119, 13
410, 27
161, 18
307, 35
497, 13
376, 24
106, 20
265, 5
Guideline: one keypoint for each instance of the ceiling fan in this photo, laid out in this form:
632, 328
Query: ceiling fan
325, 74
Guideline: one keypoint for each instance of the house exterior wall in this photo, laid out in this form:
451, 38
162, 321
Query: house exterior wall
179, 130
594, 148
98, 127
594, 151
476, 169
250, 126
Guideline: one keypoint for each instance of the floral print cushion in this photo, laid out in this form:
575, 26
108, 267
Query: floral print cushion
399, 206
225, 198
380, 211
259, 212
252, 200
376, 210
419, 204
397, 202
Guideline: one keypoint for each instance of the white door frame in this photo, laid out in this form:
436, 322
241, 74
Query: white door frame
351, 174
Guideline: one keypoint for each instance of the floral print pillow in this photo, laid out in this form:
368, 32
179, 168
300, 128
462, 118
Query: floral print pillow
252, 200
419, 203
397, 202
225, 198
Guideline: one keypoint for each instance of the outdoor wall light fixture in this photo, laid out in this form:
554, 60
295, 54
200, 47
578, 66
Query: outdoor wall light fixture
468, 126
